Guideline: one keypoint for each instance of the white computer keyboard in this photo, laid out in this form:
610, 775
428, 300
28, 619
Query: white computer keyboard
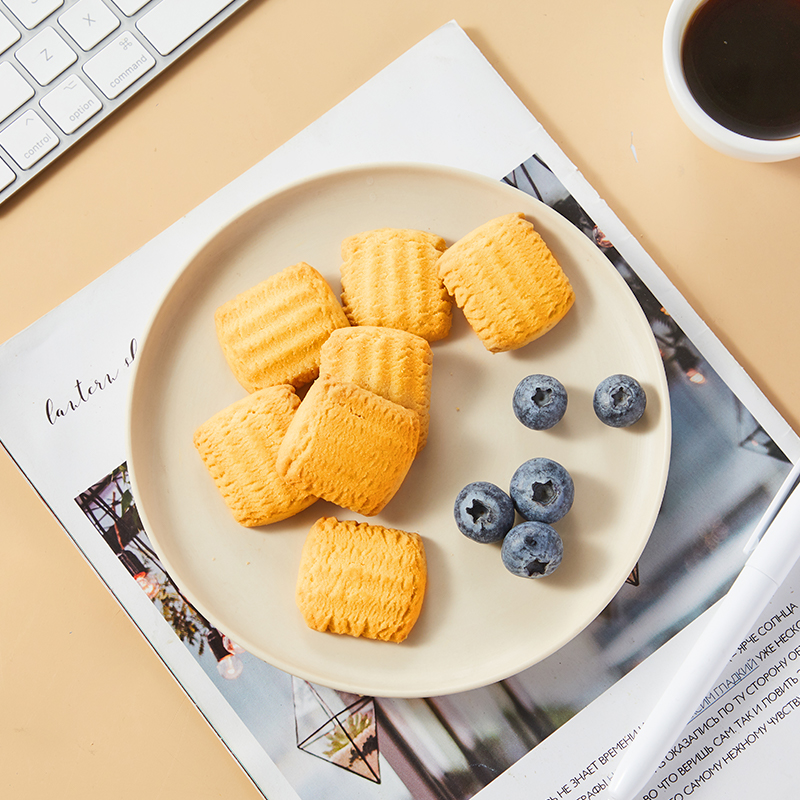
65, 65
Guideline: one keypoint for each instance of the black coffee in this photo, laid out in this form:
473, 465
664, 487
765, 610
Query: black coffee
741, 59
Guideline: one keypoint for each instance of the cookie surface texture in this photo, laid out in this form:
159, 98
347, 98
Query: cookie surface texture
392, 363
272, 333
509, 285
390, 279
361, 579
239, 446
349, 446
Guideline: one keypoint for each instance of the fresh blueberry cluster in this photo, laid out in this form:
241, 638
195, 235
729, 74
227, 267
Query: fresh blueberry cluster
542, 490
540, 401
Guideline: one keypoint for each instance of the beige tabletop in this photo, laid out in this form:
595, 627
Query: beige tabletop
81, 691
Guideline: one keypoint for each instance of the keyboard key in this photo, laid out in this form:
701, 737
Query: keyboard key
172, 22
118, 65
46, 56
31, 12
28, 139
14, 89
130, 7
7, 176
88, 22
70, 104
8, 34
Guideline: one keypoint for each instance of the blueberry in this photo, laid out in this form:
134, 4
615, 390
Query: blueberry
619, 401
484, 512
539, 402
532, 550
542, 490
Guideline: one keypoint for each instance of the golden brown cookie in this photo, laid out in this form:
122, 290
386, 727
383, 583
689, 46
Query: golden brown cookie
508, 283
349, 446
392, 363
272, 333
361, 579
239, 446
389, 279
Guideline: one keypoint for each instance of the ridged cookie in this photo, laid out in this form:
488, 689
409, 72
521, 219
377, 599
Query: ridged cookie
272, 333
392, 363
509, 285
361, 579
349, 446
239, 445
389, 279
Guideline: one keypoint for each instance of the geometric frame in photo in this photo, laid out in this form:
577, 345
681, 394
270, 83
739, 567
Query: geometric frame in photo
338, 728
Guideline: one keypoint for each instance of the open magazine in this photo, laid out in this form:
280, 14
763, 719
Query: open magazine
552, 731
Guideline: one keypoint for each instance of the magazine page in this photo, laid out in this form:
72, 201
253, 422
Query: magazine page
739, 742
560, 723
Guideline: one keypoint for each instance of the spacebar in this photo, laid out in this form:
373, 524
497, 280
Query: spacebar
174, 21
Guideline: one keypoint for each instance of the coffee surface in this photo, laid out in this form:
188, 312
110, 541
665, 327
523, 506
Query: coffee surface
741, 59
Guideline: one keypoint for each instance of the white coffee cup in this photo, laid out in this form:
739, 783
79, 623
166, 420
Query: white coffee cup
704, 127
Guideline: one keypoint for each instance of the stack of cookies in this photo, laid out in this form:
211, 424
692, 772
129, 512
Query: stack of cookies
365, 367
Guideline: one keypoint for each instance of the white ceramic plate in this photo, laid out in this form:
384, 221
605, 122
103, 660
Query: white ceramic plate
479, 623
